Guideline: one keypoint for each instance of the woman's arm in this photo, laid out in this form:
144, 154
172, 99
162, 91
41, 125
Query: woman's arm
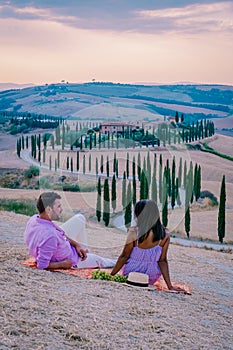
131, 238
163, 264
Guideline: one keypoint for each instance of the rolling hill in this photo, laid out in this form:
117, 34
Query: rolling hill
98, 101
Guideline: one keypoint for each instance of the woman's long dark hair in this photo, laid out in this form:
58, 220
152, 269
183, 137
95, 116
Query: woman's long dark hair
147, 214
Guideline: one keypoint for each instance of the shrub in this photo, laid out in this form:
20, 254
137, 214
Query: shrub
44, 183
71, 187
31, 172
208, 194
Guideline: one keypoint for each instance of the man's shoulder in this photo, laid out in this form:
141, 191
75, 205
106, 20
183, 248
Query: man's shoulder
37, 226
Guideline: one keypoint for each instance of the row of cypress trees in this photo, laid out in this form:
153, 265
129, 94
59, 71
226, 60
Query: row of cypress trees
192, 188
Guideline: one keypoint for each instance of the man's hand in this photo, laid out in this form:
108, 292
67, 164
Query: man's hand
81, 252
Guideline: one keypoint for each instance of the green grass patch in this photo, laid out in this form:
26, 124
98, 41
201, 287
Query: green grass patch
207, 148
25, 207
71, 187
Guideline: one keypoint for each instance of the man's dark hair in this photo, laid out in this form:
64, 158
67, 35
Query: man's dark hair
46, 199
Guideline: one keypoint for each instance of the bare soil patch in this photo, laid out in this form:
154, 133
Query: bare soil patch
45, 310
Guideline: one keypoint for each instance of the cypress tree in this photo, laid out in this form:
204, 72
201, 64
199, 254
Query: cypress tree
106, 206
108, 140
114, 163
52, 141
164, 203
98, 203
84, 164
128, 209
77, 161
144, 188
67, 163
89, 163
44, 155
160, 177
148, 168
39, 156
27, 141
187, 208
99, 140
81, 142
38, 142
155, 165
102, 164
58, 136
168, 174
107, 167
139, 166
22, 142
144, 168
114, 193
58, 159
187, 220
177, 117
165, 212
134, 190
173, 189
90, 145
191, 181
195, 182
123, 199
178, 193
198, 189
185, 174
96, 166
154, 194
127, 165
221, 211
71, 164
18, 148
95, 141
180, 173
133, 168
117, 168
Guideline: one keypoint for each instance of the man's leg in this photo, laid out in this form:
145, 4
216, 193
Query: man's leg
94, 260
75, 228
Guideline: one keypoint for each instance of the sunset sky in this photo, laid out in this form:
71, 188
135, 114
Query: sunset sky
125, 41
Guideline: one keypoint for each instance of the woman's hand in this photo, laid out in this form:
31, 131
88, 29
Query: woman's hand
177, 289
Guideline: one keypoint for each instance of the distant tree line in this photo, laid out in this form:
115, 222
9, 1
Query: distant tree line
24, 121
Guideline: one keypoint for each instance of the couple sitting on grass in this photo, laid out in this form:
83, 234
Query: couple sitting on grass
55, 247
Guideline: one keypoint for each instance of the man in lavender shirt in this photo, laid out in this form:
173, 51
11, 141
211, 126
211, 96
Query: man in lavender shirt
48, 243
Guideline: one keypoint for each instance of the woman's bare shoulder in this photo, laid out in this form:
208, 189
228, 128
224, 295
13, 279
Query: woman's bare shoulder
166, 238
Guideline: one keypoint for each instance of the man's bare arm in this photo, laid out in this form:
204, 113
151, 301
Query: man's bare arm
64, 264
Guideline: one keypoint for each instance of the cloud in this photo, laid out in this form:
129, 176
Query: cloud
197, 17
137, 16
